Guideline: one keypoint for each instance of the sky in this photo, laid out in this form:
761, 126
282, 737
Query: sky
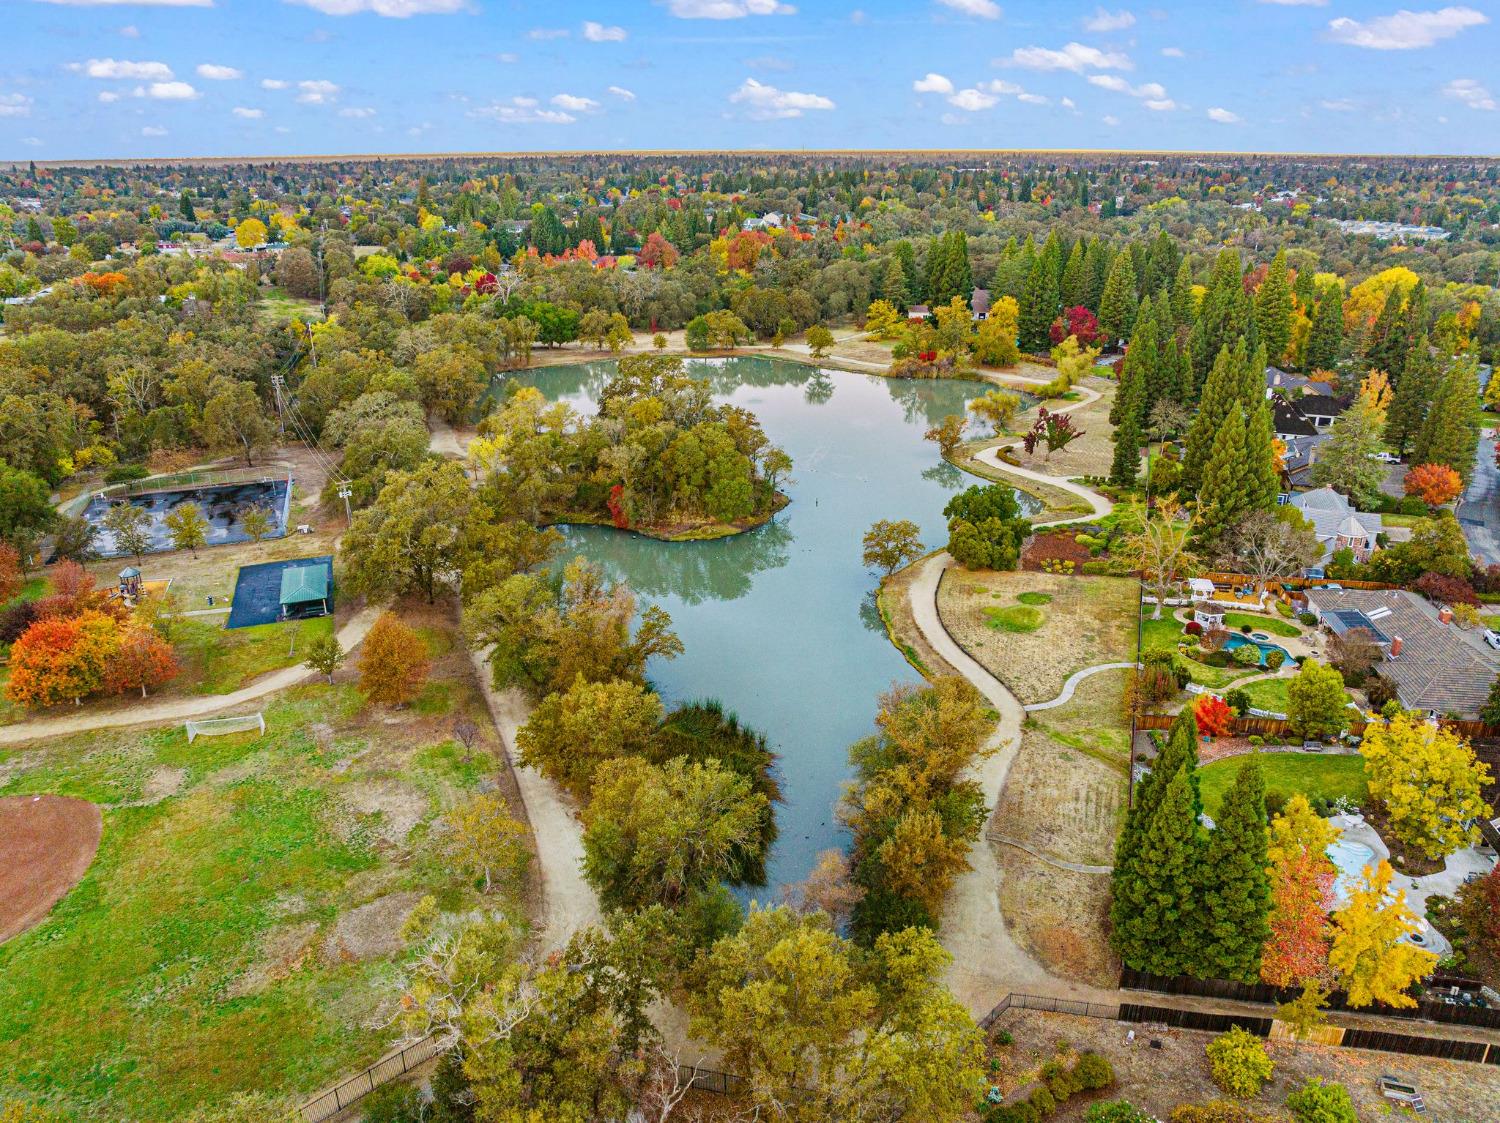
141, 78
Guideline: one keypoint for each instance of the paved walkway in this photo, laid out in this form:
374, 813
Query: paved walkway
1099, 506
1072, 684
987, 961
180, 709
568, 902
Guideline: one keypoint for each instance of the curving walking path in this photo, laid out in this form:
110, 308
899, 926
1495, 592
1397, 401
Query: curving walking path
1075, 867
987, 961
1099, 506
1072, 684
180, 709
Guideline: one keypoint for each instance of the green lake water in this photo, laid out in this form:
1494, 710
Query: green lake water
780, 623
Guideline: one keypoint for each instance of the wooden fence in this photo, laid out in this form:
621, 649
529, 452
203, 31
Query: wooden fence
1281, 729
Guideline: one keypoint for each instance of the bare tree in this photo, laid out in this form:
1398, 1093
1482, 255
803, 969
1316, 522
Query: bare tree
1160, 551
466, 733
1267, 544
829, 888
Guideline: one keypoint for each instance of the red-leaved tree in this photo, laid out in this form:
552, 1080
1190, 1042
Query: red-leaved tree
657, 252
10, 572
144, 660
1433, 484
1078, 322
1213, 715
1301, 895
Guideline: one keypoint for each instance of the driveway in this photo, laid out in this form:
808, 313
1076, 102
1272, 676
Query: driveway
1479, 512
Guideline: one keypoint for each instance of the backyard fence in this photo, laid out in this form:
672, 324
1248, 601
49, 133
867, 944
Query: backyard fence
1049, 1005
388, 1068
1276, 727
182, 480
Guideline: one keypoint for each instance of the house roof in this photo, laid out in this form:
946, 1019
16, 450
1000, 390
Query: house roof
1288, 420
1439, 668
979, 303
304, 584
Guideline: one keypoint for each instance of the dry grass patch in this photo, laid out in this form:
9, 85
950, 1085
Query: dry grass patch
1058, 916
1089, 455
1087, 622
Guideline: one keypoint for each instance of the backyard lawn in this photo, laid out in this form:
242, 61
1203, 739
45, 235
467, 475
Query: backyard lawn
1268, 694
241, 926
1271, 624
1312, 774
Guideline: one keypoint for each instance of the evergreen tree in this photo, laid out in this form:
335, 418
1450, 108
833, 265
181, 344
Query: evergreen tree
1127, 437
185, 206
1097, 259
1264, 483
1412, 397
1182, 294
936, 270
903, 252
1220, 391
1117, 304
1223, 315
1137, 371
1225, 492
1386, 347
1252, 376
1273, 309
1234, 884
1155, 906
958, 275
1178, 749
1450, 433
893, 284
1038, 307
1327, 333
1074, 289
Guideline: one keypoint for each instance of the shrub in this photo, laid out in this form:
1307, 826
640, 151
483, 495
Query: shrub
1213, 717
1115, 1111
1448, 590
1239, 701
1284, 610
394, 1103
1274, 659
1247, 655
1215, 1111
1317, 1102
123, 473
1256, 740
1014, 1113
1043, 1101
1238, 1062
1193, 628
1003, 1037
1093, 1072
1275, 801
1306, 618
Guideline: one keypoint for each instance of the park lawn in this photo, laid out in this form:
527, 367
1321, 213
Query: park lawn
1271, 624
220, 660
278, 306
1329, 776
194, 958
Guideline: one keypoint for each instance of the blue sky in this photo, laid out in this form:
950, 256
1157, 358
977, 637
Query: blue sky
98, 78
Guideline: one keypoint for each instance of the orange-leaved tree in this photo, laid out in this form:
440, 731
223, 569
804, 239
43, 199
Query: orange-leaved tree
1213, 715
59, 658
392, 662
10, 572
1433, 484
144, 660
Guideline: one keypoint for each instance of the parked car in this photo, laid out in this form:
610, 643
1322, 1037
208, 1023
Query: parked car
1401, 1091
1492, 638
1387, 457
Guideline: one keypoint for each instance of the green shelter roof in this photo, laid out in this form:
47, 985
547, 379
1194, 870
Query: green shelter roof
303, 584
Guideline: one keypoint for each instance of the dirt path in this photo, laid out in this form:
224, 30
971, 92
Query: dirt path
443, 440
1072, 684
180, 709
568, 901
47, 843
987, 961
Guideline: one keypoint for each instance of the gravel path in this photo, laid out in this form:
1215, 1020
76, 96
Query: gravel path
180, 709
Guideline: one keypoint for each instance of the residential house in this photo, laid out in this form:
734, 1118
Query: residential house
918, 312
1432, 663
979, 304
1337, 524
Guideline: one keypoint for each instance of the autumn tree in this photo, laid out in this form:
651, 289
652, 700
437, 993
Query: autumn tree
822, 1031
1162, 553
142, 660
571, 734
1429, 781
1370, 955
997, 407
1478, 911
1346, 460
1269, 544
324, 655
995, 337
890, 545
257, 521
393, 662
130, 527
1301, 879
1433, 484
948, 433
250, 233
187, 527
61, 658
10, 573
483, 839
882, 319
819, 341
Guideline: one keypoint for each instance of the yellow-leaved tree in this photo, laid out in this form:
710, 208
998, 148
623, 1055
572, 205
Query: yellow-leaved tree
1373, 962
250, 233
1375, 392
1429, 781
882, 320
995, 343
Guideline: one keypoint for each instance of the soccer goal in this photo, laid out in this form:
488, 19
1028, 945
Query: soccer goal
213, 726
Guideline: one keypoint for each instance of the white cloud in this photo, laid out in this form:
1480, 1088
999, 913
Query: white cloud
1471, 93
393, 9
598, 33
1339, 104
316, 91
110, 68
1153, 93
272, 84
15, 105
1110, 119
728, 9
933, 84
1405, 30
107, 96
248, 114
1067, 103
137, 3
1103, 21
622, 93
767, 103
979, 9
1173, 52
972, 100
1032, 99
574, 104
1224, 116
507, 57
1075, 57
34, 141
1161, 104
215, 73
153, 130
1110, 82
171, 91
1001, 86
357, 112
544, 33
523, 111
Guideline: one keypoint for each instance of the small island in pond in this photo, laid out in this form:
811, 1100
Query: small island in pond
659, 458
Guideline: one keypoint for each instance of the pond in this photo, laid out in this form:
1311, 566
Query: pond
780, 623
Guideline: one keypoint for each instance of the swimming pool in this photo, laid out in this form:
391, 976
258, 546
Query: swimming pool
1266, 648
1350, 858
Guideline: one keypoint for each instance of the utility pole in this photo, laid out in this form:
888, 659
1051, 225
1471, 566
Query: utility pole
277, 381
344, 491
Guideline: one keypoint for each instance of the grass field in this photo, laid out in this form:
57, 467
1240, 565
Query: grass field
211, 947
1014, 618
1164, 633
1289, 773
1268, 694
216, 660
